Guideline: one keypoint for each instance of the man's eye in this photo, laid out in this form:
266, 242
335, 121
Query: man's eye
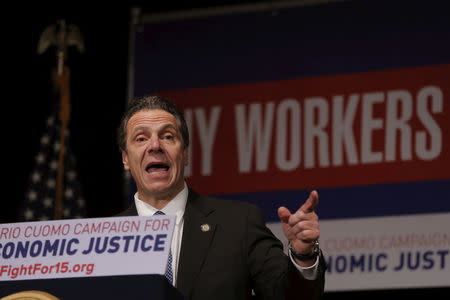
140, 139
168, 137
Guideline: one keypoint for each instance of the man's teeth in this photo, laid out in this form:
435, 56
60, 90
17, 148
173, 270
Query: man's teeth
159, 171
157, 168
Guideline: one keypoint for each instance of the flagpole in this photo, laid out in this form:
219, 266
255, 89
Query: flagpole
62, 85
61, 36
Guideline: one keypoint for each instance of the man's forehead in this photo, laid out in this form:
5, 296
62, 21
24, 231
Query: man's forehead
157, 117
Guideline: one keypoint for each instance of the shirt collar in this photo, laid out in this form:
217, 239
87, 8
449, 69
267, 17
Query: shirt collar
175, 207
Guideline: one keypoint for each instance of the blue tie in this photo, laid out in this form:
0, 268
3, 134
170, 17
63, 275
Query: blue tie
169, 272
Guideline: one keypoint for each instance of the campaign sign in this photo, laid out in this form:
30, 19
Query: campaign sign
385, 252
330, 131
345, 97
85, 247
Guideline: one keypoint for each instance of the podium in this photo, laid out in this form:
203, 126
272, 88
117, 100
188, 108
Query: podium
154, 287
102, 258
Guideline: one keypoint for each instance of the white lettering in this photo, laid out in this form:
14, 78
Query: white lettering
288, 107
315, 128
254, 135
343, 137
369, 124
398, 123
425, 95
207, 133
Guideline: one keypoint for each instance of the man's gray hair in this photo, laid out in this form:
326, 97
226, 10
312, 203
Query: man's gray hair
149, 103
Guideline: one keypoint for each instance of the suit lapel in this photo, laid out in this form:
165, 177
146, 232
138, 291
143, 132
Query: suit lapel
130, 211
198, 232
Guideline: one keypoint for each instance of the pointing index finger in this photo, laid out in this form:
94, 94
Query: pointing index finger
310, 203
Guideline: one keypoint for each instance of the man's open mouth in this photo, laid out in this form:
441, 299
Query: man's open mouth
157, 167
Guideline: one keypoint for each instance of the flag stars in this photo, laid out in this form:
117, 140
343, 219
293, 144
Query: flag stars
53, 165
66, 212
51, 183
43, 218
40, 197
32, 196
40, 158
44, 140
28, 214
68, 193
71, 175
80, 202
36, 177
48, 202
50, 121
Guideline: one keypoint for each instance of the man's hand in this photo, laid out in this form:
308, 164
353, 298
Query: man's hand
302, 227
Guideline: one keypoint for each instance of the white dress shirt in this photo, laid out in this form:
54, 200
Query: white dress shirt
176, 207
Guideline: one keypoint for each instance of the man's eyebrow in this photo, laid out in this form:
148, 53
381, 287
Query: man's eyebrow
169, 126
138, 129
145, 128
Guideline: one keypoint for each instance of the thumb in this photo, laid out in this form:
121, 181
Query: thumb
310, 203
284, 214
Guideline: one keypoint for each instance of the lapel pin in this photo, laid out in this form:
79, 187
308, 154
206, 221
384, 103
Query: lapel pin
205, 227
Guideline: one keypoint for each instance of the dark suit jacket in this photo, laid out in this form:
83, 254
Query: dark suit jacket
238, 254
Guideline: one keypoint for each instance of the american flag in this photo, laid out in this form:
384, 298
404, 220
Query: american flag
39, 202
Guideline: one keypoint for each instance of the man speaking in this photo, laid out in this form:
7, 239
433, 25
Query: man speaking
221, 249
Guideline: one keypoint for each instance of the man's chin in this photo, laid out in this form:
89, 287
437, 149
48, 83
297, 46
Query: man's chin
163, 190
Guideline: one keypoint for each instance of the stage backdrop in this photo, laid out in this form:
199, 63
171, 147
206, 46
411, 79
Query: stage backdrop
350, 98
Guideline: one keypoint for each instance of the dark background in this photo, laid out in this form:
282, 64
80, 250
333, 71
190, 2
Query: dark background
99, 94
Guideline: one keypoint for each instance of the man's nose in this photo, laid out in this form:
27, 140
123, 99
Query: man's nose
154, 145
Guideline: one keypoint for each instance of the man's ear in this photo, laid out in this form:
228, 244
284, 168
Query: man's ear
125, 161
